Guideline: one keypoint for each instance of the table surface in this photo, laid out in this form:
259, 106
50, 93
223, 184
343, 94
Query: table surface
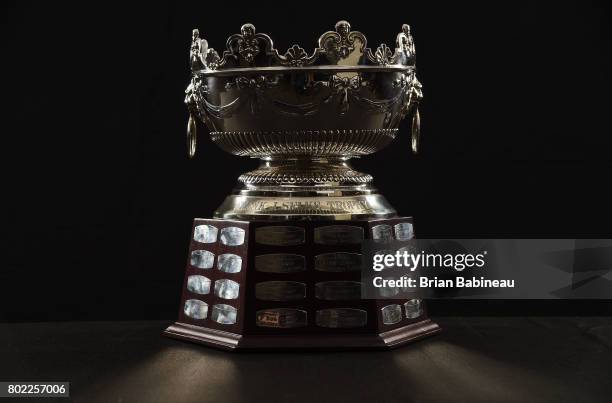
475, 359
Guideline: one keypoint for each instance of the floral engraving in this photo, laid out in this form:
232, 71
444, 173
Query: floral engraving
341, 44
295, 56
383, 55
212, 59
254, 87
345, 45
247, 44
342, 88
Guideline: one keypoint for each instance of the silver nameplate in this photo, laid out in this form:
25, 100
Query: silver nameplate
403, 231
391, 314
280, 263
280, 291
229, 263
205, 233
198, 284
232, 236
338, 235
341, 317
282, 318
196, 309
338, 262
413, 308
280, 235
338, 290
224, 314
227, 289
202, 259
382, 232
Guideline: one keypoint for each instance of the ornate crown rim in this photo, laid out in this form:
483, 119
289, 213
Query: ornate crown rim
337, 50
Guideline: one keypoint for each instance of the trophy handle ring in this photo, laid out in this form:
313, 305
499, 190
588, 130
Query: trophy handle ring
192, 135
416, 130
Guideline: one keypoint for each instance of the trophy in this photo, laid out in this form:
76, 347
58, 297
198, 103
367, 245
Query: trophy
278, 267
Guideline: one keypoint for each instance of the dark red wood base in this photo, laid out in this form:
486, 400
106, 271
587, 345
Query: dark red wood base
235, 342
262, 285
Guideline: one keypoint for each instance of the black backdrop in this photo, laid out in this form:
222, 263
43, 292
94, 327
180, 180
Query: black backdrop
99, 194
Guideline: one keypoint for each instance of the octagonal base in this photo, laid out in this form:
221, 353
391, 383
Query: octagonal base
261, 285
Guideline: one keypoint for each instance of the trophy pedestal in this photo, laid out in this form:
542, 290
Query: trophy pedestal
291, 284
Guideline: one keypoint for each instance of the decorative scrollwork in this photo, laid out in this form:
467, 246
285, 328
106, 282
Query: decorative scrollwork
246, 46
212, 59
295, 57
342, 88
383, 55
340, 47
345, 88
342, 43
257, 83
254, 87
198, 105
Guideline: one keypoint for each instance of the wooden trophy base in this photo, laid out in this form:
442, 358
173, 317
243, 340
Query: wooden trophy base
231, 341
291, 285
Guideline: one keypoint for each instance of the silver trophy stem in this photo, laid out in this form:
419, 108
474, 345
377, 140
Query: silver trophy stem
297, 188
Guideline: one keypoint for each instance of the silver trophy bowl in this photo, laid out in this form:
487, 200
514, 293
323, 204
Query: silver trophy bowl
304, 114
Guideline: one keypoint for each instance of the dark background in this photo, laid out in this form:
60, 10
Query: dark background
99, 195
